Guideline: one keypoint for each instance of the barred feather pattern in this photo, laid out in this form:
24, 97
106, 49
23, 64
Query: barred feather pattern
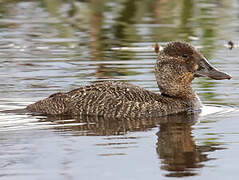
110, 99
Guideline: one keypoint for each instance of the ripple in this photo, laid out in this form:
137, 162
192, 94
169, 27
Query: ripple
218, 110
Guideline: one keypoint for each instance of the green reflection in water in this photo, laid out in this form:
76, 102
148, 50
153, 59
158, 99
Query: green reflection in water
189, 18
176, 147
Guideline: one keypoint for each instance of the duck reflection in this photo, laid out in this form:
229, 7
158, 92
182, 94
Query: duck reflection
176, 147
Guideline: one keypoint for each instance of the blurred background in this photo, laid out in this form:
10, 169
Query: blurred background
48, 46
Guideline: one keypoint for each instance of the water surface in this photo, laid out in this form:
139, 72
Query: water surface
49, 46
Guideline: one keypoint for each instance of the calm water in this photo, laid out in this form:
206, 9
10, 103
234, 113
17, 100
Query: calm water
55, 45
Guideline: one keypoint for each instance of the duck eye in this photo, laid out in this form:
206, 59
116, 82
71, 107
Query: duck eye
184, 55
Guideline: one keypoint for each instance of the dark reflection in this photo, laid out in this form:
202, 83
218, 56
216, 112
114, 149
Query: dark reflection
99, 126
186, 27
177, 149
126, 16
96, 20
179, 154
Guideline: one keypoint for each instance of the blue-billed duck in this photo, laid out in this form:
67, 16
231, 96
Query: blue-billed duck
177, 65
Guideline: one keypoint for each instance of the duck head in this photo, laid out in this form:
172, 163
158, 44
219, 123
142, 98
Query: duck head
178, 64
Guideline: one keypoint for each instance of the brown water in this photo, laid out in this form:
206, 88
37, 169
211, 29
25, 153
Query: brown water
55, 45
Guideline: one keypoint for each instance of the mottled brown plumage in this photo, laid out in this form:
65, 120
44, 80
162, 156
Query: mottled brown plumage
176, 67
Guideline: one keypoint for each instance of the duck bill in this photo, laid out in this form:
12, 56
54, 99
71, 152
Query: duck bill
205, 69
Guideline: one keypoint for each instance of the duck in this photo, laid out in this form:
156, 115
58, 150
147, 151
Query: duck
177, 65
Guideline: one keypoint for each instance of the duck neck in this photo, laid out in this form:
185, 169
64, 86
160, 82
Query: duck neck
187, 96
183, 92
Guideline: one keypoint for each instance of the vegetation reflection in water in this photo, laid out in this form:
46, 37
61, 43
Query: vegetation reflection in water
53, 45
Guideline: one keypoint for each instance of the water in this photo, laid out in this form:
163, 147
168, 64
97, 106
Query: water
49, 46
